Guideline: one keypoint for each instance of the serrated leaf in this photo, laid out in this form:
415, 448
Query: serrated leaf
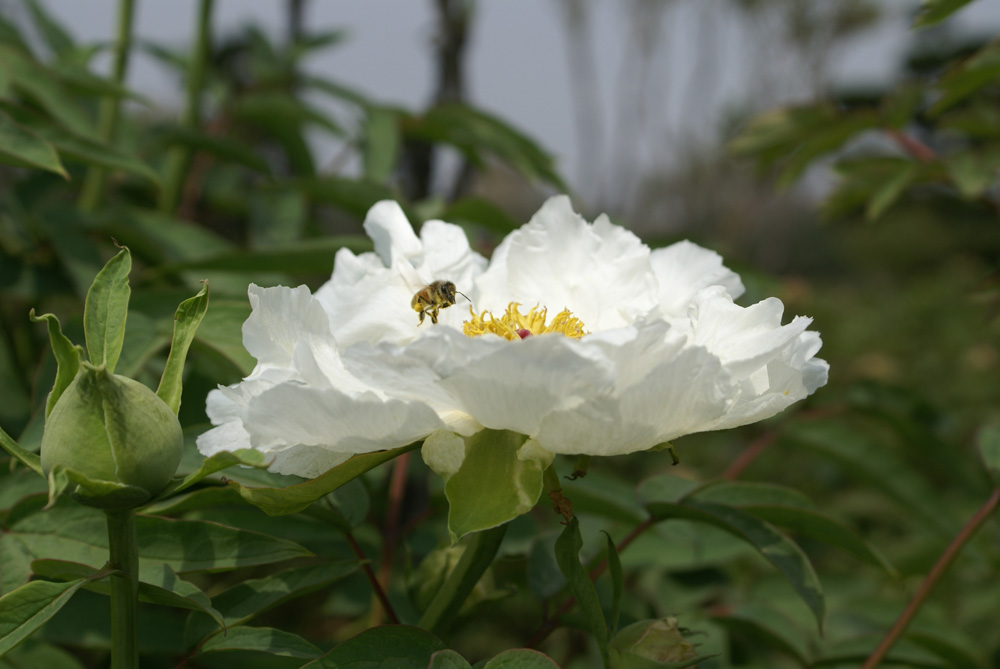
295, 498
261, 640
782, 552
67, 357
933, 12
105, 310
396, 646
567, 552
23, 147
186, 322
26, 609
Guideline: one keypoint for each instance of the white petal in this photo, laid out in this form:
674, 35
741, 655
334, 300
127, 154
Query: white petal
391, 232
684, 268
280, 318
600, 272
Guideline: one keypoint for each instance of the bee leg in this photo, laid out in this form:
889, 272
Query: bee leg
421, 319
434, 316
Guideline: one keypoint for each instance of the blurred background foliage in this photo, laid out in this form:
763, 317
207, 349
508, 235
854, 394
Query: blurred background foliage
875, 211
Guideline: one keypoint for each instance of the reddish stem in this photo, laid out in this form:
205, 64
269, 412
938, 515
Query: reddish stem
397, 488
749, 454
913, 146
376, 586
937, 572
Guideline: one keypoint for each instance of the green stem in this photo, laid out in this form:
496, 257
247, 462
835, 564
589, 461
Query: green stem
107, 120
177, 159
476, 559
124, 559
949, 555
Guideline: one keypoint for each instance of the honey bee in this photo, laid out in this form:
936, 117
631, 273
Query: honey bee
431, 299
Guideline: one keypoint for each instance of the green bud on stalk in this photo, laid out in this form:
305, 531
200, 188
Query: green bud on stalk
108, 429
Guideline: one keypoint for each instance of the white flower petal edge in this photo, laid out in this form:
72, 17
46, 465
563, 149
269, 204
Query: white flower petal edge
301, 404
368, 297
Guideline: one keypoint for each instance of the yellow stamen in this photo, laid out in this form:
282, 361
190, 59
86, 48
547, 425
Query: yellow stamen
515, 325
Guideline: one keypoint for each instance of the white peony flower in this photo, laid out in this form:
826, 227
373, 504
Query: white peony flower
578, 336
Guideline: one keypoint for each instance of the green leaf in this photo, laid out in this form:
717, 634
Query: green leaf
969, 76
767, 627
35, 653
261, 640
186, 322
24, 147
791, 509
381, 143
105, 311
78, 533
44, 86
26, 609
477, 558
295, 498
221, 331
253, 597
887, 193
354, 196
57, 38
989, 449
63, 480
396, 646
521, 658
617, 582
219, 146
933, 12
25, 457
567, 552
653, 644
481, 212
67, 357
312, 256
158, 584
515, 484
776, 547
974, 171
448, 659
215, 463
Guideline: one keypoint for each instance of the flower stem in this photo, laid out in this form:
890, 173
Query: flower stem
124, 559
949, 555
476, 559
370, 575
177, 159
93, 186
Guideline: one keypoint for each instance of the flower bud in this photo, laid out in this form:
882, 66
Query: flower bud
654, 640
111, 429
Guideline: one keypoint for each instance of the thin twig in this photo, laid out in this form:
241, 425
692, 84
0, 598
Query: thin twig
376, 586
932, 579
749, 454
397, 488
913, 146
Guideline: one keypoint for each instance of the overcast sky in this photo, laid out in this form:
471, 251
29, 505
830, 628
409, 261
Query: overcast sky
518, 58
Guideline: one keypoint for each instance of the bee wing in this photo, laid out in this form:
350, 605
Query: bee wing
413, 279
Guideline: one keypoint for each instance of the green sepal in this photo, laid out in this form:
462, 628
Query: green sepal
989, 448
186, 322
100, 494
105, 310
67, 357
30, 460
491, 477
295, 498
